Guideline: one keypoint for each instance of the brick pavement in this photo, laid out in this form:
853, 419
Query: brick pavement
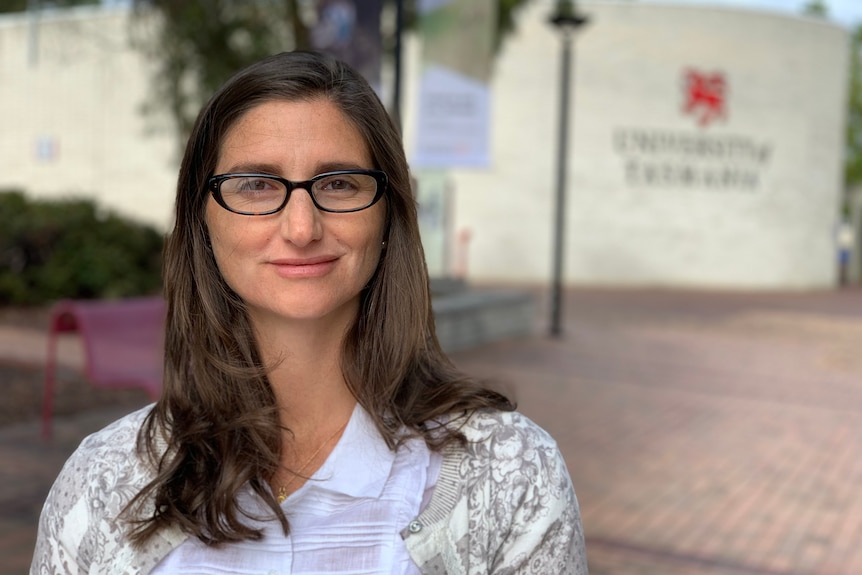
706, 433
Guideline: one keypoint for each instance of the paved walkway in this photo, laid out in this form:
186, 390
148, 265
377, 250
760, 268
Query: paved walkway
706, 433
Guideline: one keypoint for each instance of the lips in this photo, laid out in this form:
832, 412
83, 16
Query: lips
304, 267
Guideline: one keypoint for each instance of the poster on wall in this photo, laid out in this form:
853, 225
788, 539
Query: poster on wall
350, 31
453, 124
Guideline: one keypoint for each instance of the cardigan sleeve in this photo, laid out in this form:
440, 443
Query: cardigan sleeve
62, 525
79, 528
545, 535
536, 526
504, 505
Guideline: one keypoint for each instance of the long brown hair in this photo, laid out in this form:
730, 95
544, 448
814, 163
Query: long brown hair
217, 412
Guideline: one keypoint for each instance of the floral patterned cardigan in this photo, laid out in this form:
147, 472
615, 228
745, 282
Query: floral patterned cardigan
503, 504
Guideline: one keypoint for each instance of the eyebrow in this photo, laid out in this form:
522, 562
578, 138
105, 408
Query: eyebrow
272, 169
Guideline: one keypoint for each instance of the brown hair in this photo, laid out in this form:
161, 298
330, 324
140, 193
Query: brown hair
217, 412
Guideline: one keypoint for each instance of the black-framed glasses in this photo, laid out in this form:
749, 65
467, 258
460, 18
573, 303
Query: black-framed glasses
263, 194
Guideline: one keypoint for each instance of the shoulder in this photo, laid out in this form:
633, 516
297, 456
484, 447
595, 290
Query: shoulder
509, 449
79, 518
105, 465
513, 445
513, 497
114, 448
118, 435
489, 425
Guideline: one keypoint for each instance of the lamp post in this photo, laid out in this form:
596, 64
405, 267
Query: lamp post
567, 22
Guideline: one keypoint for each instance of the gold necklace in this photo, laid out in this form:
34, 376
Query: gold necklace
282, 490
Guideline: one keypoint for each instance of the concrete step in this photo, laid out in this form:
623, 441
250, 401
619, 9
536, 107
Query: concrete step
471, 317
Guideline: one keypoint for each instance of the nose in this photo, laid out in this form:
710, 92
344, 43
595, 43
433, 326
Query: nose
300, 219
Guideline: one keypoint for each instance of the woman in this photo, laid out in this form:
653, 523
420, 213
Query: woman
309, 421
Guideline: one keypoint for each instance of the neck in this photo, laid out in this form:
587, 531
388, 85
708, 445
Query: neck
305, 374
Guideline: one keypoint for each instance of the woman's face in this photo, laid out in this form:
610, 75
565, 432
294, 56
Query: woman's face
299, 264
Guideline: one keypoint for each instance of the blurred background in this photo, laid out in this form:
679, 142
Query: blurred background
708, 144
671, 190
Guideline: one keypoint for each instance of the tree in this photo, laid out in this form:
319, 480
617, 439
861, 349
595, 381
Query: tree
23, 5
816, 8
198, 44
853, 130
853, 162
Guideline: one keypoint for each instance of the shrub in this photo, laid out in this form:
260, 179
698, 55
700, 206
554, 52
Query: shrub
53, 249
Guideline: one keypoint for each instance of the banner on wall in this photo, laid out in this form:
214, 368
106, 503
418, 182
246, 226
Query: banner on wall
454, 111
350, 30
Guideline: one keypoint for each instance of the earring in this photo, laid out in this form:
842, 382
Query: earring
383, 244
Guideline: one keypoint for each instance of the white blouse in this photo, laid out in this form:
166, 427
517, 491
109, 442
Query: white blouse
346, 519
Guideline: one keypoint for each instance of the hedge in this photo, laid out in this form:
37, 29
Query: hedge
69, 248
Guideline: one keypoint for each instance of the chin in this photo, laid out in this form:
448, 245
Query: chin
307, 311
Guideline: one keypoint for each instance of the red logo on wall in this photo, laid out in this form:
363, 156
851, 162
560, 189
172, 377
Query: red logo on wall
704, 95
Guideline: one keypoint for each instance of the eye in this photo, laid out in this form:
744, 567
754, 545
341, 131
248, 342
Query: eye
338, 183
253, 184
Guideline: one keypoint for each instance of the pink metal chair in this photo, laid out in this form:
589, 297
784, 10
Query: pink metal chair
122, 340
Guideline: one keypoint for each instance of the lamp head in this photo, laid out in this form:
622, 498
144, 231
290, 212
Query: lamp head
565, 17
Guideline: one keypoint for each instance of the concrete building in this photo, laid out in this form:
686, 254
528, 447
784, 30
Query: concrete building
72, 97
706, 150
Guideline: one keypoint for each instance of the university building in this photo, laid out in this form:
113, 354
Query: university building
706, 144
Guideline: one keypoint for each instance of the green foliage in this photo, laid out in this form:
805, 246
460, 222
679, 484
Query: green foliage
853, 128
52, 249
506, 13
853, 161
816, 8
22, 5
198, 44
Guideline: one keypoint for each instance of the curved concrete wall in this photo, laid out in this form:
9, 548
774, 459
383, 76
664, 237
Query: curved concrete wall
705, 150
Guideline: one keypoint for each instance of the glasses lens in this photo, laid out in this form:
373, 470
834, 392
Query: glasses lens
344, 191
252, 194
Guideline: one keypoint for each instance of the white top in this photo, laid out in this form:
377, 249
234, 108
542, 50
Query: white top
346, 519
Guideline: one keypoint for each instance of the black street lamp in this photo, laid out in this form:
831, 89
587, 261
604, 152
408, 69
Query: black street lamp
567, 21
